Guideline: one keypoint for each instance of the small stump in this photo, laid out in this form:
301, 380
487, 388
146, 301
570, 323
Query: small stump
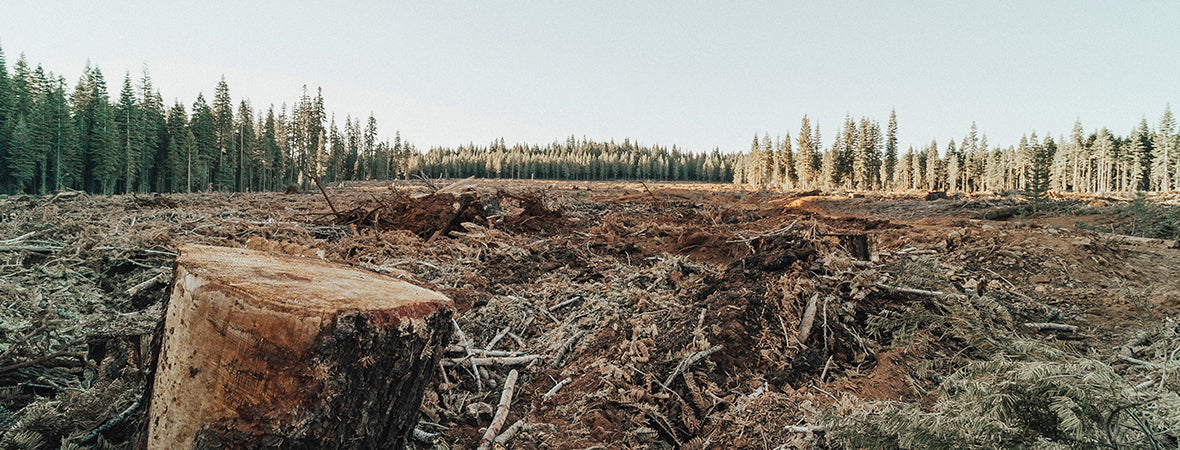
262, 350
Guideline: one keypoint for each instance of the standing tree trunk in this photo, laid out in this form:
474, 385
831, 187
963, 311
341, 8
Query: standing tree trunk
262, 350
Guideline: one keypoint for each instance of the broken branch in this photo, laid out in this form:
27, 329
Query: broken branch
503, 361
1052, 326
501, 412
689, 362
565, 349
557, 387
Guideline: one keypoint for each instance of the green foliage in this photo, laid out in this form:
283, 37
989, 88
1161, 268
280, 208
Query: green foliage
1032, 396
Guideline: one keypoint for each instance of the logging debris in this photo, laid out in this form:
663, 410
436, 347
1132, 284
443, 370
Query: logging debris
646, 277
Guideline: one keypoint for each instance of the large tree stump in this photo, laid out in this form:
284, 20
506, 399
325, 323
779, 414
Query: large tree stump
263, 350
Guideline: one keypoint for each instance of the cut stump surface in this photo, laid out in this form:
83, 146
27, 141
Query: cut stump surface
269, 350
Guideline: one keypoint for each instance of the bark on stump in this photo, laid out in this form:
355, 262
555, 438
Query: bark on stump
262, 350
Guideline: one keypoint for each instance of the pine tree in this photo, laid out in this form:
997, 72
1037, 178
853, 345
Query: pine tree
247, 148
203, 125
21, 158
272, 158
223, 130
65, 163
845, 148
1142, 149
1041, 157
374, 165
127, 121
6, 107
1164, 156
805, 162
933, 169
904, 173
178, 165
953, 167
98, 135
889, 171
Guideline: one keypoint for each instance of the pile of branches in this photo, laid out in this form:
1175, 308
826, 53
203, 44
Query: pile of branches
427, 217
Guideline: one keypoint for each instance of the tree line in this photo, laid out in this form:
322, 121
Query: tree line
53, 137
863, 157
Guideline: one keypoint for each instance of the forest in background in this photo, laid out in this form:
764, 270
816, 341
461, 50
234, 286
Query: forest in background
55, 137
863, 157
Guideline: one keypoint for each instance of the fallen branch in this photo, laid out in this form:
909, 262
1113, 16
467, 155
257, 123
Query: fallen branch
808, 319
770, 234
30, 248
507, 435
18, 238
501, 412
557, 387
149, 251
111, 423
824, 374
467, 345
482, 353
1139, 362
41, 360
566, 348
496, 339
502, 361
1052, 326
147, 285
422, 436
689, 362
572, 300
806, 429
906, 290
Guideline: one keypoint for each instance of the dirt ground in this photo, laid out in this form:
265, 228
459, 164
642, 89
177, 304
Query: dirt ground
664, 315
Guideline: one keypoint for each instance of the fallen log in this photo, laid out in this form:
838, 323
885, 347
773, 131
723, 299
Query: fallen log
261, 349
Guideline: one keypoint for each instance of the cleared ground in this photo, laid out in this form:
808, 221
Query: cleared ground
678, 313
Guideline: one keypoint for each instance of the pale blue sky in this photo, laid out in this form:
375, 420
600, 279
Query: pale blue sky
695, 74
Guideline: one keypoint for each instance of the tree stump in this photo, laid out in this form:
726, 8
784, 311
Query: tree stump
264, 350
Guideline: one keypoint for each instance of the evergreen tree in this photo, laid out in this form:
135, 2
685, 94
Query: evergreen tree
904, 172
374, 166
1038, 170
272, 157
246, 154
127, 122
97, 133
21, 158
933, 169
223, 130
203, 125
179, 164
1164, 156
889, 171
805, 162
65, 163
6, 107
1142, 149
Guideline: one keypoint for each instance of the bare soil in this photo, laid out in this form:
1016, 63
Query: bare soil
648, 275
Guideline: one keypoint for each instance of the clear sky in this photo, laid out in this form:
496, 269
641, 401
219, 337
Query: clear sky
695, 74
